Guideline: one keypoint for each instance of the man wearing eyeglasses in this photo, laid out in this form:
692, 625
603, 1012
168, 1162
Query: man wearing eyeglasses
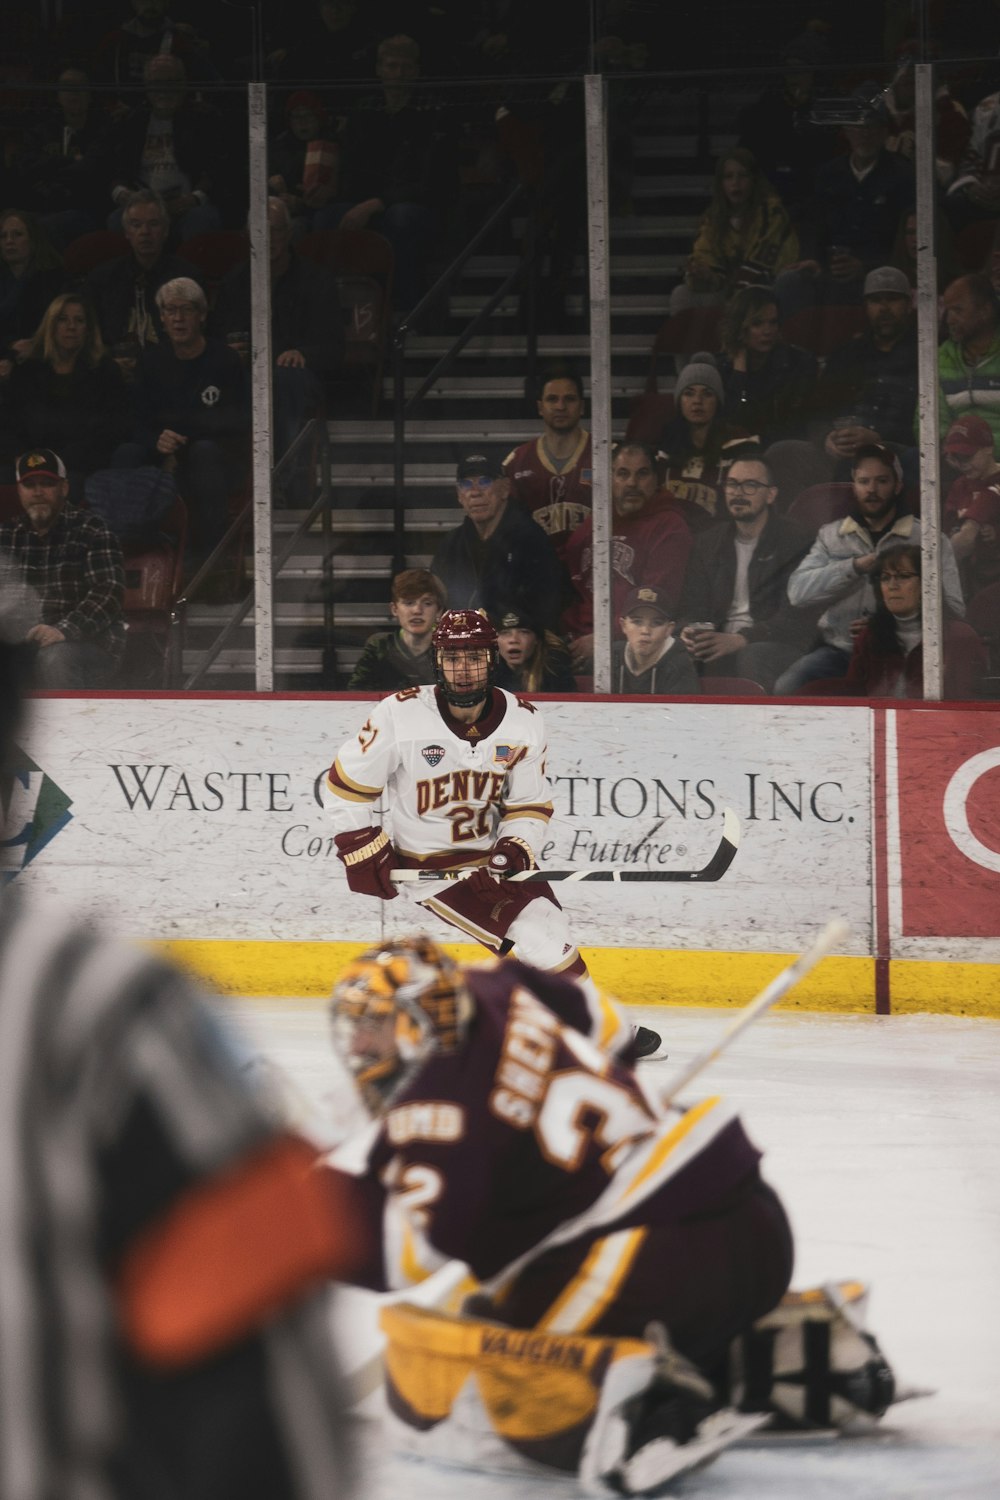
737, 618
497, 556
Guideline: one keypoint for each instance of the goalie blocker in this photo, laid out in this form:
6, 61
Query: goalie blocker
628, 1415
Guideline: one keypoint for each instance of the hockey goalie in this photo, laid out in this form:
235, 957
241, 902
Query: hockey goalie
630, 1315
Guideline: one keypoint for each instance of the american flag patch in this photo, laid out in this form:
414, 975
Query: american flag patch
433, 754
501, 755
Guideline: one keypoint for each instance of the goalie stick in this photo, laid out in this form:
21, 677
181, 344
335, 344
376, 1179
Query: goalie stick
831, 936
714, 870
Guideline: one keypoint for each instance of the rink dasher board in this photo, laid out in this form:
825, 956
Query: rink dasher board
195, 821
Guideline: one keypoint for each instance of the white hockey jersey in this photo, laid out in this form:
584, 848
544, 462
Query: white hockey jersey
452, 789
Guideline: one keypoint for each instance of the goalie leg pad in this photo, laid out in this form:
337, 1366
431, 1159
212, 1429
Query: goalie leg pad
812, 1362
467, 1385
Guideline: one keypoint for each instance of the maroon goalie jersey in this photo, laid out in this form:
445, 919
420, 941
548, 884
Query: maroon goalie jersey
530, 1137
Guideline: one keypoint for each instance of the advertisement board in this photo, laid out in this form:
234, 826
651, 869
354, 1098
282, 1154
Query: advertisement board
944, 798
198, 818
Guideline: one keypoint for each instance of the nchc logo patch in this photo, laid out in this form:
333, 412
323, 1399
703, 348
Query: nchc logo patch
34, 809
433, 755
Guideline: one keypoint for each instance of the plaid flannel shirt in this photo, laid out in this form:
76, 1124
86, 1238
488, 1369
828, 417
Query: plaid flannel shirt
75, 573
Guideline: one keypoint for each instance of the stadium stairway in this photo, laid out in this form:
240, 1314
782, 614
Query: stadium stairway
481, 402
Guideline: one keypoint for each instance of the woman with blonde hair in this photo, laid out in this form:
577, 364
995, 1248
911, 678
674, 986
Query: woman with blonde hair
767, 382
68, 394
745, 237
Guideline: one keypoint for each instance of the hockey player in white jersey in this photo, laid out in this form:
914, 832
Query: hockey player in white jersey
463, 766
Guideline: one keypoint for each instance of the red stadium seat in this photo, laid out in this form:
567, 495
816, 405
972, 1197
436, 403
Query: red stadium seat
10, 505
974, 244
823, 329
689, 331
153, 578
215, 254
685, 333
649, 415
90, 250
820, 504
362, 262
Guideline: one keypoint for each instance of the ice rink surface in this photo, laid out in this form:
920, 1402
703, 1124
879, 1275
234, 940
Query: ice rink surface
882, 1135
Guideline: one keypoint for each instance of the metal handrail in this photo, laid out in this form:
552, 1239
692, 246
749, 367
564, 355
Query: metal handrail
401, 405
243, 607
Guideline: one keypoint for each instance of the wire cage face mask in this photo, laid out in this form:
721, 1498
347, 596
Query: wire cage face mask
393, 1008
469, 640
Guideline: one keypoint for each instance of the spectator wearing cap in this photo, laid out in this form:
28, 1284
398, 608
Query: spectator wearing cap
837, 571
497, 557
650, 547
650, 659
867, 392
858, 205
969, 359
393, 659
552, 476
398, 171
693, 442
192, 409
65, 580
972, 507
532, 659
734, 611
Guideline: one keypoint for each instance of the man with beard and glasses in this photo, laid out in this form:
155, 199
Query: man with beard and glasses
736, 618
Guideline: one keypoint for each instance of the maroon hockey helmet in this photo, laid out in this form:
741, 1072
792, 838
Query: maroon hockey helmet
460, 632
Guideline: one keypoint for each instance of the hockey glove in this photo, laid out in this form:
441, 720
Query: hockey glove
507, 857
369, 861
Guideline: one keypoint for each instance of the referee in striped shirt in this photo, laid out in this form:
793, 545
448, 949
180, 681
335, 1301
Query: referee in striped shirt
163, 1243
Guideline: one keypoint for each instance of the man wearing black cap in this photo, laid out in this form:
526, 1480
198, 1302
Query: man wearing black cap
497, 556
64, 580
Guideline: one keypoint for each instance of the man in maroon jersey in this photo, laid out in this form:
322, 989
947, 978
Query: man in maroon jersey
551, 476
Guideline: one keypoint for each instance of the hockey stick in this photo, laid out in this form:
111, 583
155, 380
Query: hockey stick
714, 870
831, 936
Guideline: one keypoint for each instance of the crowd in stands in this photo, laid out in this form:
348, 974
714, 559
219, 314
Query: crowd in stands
124, 350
